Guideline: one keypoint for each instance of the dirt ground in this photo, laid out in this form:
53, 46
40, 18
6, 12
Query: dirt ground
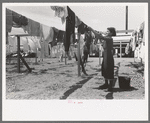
52, 79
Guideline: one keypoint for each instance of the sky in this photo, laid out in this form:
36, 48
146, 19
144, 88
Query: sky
99, 17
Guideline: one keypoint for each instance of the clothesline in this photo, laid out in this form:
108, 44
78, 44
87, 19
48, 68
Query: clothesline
11, 15
33, 28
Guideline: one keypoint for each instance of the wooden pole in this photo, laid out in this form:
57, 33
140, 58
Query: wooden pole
120, 49
78, 35
18, 54
126, 19
65, 58
25, 62
9, 54
36, 56
7, 42
99, 54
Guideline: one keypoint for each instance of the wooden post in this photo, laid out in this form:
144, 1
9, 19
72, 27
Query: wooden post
99, 54
65, 58
25, 62
126, 19
36, 56
78, 35
18, 54
120, 49
9, 54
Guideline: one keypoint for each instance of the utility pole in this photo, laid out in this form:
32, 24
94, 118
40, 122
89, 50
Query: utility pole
126, 19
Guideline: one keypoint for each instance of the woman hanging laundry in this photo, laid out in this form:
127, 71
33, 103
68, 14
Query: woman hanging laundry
108, 60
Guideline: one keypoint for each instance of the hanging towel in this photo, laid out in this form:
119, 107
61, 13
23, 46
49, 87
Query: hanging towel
47, 33
61, 12
8, 20
82, 43
61, 36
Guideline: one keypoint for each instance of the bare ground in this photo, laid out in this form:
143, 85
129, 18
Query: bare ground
51, 79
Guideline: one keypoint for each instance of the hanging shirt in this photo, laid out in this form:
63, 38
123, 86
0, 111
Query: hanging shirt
33, 28
134, 41
12, 41
82, 28
82, 43
47, 33
127, 48
61, 36
19, 19
55, 35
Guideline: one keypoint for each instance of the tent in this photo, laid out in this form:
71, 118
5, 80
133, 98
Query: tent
26, 44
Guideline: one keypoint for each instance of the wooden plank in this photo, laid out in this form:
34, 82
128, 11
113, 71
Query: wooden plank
121, 35
121, 41
124, 31
21, 35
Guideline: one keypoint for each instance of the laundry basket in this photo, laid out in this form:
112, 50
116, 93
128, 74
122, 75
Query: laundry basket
124, 82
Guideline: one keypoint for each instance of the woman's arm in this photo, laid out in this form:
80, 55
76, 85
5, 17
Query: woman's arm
99, 35
95, 33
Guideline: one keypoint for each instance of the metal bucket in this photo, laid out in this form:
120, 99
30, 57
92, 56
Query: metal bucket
114, 82
124, 82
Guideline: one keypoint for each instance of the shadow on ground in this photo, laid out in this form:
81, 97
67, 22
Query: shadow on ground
75, 87
110, 94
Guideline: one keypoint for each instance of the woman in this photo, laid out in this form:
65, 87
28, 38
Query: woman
108, 60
